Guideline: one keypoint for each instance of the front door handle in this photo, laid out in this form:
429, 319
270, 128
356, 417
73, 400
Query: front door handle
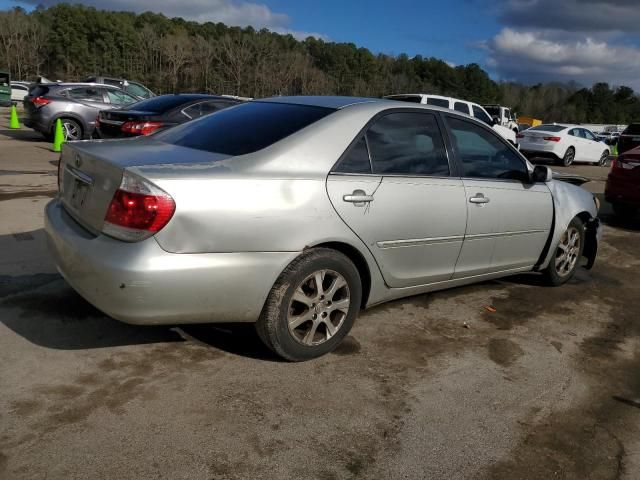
358, 198
479, 199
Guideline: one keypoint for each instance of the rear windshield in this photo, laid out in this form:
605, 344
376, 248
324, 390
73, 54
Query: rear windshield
163, 103
633, 129
549, 128
246, 128
38, 91
406, 98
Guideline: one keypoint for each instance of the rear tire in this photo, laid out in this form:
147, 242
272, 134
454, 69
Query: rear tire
312, 305
569, 156
71, 129
568, 252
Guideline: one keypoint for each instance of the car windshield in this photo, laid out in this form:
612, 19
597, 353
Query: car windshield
633, 129
137, 90
549, 128
244, 129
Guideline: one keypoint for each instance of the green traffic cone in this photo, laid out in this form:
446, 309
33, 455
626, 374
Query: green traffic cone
58, 138
13, 121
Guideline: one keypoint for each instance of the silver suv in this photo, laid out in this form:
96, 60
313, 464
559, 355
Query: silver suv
76, 104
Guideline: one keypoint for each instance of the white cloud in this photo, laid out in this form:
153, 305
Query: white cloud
236, 13
532, 56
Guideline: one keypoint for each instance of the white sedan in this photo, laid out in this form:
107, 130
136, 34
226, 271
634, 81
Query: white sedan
563, 143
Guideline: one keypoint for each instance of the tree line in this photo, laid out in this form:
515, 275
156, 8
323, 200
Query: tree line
69, 42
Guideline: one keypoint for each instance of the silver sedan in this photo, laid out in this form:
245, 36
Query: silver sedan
296, 213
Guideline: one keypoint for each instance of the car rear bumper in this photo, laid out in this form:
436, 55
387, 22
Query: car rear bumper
619, 191
140, 283
531, 151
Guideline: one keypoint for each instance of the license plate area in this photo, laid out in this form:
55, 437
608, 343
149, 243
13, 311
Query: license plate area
77, 188
78, 193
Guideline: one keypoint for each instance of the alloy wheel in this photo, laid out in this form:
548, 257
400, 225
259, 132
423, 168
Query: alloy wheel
568, 252
603, 158
319, 307
568, 157
71, 131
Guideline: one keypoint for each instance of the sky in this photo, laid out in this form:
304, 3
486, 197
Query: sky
523, 40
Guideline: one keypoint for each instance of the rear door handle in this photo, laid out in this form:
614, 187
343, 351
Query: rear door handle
358, 198
479, 198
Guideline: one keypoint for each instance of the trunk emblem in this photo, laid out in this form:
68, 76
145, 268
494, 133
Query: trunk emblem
78, 160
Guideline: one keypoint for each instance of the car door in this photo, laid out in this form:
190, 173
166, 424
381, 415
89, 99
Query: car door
508, 218
594, 147
88, 102
578, 143
395, 189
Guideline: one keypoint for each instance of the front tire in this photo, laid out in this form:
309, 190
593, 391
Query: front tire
312, 306
603, 158
565, 262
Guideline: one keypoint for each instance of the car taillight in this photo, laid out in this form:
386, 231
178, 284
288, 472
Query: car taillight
552, 139
140, 128
137, 210
40, 101
520, 135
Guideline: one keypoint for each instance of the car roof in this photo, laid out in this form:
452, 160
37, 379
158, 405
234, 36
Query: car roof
327, 101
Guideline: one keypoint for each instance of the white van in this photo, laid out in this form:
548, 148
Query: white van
470, 108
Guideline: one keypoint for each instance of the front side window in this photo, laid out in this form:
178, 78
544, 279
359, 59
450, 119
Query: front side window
481, 115
484, 155
461, 107
407, 144
356, 160
86, 94
438, 102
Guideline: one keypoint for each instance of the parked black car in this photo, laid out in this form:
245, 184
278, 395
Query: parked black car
629, 138
158, 113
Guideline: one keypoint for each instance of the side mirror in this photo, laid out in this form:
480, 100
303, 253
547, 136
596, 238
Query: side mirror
541, 173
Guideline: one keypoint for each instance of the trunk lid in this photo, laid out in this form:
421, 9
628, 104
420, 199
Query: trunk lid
91, 172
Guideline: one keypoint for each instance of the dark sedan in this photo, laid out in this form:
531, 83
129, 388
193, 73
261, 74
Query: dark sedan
159, 113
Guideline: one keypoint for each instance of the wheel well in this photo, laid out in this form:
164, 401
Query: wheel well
358, 260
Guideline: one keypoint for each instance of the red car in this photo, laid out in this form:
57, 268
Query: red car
623, 184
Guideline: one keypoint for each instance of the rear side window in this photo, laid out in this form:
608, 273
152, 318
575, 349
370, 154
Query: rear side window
357, 159
461, 107
407, 144
483, 154
204, 108
39, 91
633, 129
244, 129
86, 94
481, 115
438, 102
